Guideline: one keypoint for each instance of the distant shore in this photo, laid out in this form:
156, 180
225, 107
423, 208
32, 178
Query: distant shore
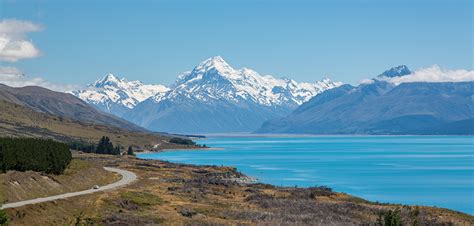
179, 149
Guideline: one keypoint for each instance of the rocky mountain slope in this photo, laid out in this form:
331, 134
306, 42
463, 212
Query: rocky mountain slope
212, 98
216, 98
117, 96
381, 107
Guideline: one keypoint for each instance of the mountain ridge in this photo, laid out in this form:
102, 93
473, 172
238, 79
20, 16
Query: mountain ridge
382, 107
216, 90
61, 104
115, 95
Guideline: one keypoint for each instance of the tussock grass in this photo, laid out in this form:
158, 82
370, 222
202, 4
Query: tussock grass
141, 198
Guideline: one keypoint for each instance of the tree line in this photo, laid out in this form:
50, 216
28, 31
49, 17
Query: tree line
104, 146
24, 154
178, 140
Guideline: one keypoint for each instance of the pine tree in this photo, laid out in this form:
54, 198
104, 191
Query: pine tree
3, 217
130, 151
116, 150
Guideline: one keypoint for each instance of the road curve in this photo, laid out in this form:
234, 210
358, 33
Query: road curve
127, 178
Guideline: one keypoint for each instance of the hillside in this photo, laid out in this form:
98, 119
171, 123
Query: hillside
79, 175
20, 121
61, 104
383, 108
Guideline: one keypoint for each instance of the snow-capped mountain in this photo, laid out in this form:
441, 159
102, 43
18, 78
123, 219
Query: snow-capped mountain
214, 97
215, 79
117, 96
395, 72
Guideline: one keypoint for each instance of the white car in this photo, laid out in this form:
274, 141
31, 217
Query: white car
96, 187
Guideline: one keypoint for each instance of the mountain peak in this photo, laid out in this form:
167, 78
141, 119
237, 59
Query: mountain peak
396, 72
108, 79
216, 62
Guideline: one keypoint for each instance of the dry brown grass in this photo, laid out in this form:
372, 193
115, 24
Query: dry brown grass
16, 121
80, 175
168, 193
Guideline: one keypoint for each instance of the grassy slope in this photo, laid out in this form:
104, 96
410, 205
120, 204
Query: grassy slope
16, 120
184, 194
80, 175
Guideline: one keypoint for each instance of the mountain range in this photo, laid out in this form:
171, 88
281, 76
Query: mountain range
211, 98
381, 107
216, 98
117, 96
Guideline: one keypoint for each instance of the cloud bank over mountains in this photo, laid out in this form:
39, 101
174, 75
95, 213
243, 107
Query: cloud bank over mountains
14, 44
12, 76
429, 74
435, 74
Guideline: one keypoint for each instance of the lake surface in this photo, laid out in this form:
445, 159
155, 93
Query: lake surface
418, 170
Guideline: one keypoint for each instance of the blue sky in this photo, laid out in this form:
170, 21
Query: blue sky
154, 41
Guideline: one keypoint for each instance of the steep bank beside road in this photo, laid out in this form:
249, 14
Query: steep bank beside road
127, 178
80, 175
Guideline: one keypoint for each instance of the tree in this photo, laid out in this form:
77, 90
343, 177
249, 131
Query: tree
101, 146
130, 151
3, 217
109, 146
106, 147
178, 140
116, 150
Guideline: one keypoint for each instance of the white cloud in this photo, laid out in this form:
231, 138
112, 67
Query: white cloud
366, 81
12, 76
13, 43
434, 74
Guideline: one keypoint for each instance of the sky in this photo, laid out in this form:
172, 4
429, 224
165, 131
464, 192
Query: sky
77, 42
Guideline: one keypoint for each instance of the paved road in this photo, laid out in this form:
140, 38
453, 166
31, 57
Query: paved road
127, 178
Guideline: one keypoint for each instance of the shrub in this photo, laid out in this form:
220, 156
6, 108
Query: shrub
141, 198
389, 218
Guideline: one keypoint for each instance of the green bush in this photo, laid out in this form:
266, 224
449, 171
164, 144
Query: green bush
24, 154
389, 218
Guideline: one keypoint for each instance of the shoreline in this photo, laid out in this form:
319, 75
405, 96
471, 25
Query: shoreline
283, 135
256, 179
246, 180
178, 149
187, 194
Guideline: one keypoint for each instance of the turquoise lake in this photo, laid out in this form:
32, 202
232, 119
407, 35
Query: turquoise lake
417, 170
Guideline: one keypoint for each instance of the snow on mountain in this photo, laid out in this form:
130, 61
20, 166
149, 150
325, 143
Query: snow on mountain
396, 72
216, 98
215, 79
117, 95
213, 97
